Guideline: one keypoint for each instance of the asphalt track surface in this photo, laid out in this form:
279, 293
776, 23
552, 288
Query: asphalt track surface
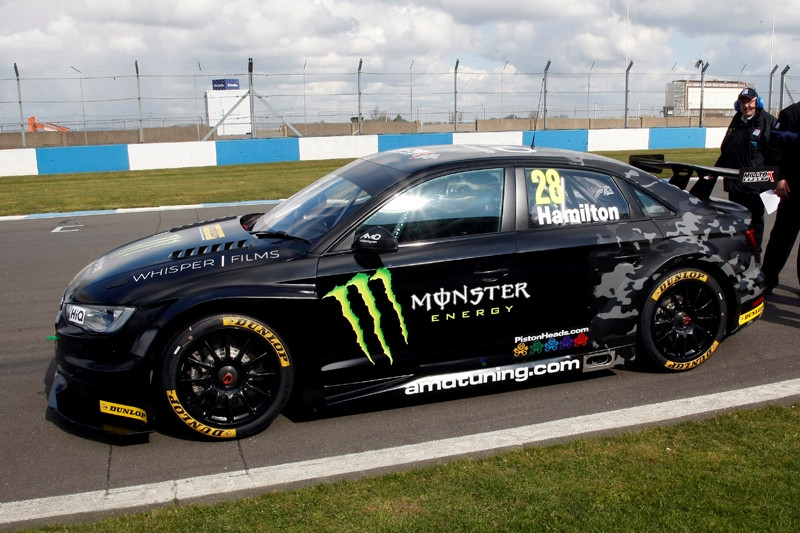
54, 474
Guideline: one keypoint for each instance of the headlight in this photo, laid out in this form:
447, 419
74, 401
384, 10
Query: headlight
98, 318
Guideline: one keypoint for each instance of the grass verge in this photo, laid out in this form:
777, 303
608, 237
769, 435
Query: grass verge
735, 472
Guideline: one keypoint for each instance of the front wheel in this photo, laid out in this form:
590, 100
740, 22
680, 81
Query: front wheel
227, 376
683, 319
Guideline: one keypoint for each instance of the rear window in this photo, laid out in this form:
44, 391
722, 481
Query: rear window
558, 197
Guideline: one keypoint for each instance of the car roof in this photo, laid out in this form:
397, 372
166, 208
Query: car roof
415, 158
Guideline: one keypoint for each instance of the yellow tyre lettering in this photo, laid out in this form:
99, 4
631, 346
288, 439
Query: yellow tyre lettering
666, 284
694, 362
266, 333
186, 418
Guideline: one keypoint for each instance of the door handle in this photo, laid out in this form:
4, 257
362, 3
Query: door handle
491, 275
629, 258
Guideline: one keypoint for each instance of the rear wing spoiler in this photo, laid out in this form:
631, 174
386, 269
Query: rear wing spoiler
682, 172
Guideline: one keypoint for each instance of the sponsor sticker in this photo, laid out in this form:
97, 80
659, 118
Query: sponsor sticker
76, 314
361, 283
519, 373
212, 231
116, 409
551, 342
750, 315
760, 177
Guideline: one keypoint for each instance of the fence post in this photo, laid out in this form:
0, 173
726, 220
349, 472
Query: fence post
455, 96
544, 85
627, 75
769, 97
139, 98
783, 79
21, 115
360, 120
83, 105
253, 132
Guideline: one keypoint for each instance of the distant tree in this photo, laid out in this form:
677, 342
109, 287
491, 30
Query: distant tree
378, 115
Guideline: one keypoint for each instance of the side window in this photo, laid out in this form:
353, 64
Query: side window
454, 205
650, 206
559, 197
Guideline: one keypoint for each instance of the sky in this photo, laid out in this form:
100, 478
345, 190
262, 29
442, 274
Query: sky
95, 38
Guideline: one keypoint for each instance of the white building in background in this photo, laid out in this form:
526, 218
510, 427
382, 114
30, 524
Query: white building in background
683, 97
220, 100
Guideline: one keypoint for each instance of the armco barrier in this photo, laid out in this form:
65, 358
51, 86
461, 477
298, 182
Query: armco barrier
65, 160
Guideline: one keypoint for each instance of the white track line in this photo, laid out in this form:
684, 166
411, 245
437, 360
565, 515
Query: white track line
271, 477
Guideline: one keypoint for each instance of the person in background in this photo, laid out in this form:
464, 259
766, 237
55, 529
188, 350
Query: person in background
746, 144
786, 141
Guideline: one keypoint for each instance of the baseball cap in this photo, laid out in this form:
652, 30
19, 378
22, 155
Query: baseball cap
748, 94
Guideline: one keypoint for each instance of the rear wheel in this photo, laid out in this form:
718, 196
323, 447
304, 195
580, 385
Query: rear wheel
683, 319
227, 376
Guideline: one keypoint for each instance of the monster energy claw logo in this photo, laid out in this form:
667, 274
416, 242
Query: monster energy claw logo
361, 283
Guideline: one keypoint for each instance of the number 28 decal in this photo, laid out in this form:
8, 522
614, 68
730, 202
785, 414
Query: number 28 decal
549, 189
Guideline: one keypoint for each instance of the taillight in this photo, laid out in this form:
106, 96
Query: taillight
750, 235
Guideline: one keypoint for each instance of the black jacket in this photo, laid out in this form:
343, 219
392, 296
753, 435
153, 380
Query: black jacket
785, 145
746, 144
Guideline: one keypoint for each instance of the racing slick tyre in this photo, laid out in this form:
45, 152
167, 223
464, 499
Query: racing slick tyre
683, 319
227, 376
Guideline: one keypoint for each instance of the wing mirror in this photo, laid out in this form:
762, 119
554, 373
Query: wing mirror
375, 240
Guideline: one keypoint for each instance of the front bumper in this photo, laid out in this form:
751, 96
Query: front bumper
111, 396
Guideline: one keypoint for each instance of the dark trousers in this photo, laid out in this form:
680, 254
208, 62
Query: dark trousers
782, 238
756, 207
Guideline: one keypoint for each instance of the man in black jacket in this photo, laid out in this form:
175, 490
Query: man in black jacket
746, 144
787, 221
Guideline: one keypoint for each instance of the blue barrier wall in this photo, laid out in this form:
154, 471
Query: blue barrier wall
72, 159
666, 138
62, 160
257, 151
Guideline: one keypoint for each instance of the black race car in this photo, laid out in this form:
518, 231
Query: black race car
407, 273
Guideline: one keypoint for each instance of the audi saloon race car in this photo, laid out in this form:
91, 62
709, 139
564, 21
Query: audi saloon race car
408, 273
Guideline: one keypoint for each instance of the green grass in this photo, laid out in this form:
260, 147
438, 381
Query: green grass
736, 472
269, 181
113, 190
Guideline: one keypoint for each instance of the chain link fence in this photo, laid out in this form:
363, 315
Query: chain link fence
80, 108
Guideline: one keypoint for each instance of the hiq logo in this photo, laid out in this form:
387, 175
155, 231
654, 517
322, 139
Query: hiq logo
361, 283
